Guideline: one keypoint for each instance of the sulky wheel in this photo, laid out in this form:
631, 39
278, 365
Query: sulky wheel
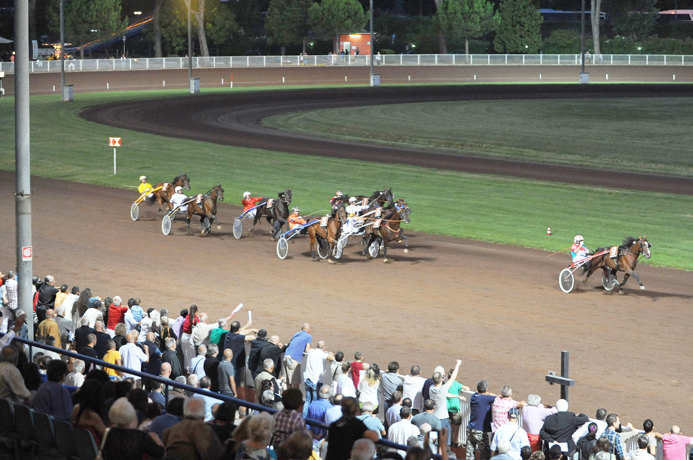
237, 228
323, 248
566, 281
135, 211
609, 283
282, 248
374, 248
166, 225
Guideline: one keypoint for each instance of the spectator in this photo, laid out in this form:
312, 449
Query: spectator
648, 427
174, 414
369, 385
391, 382
112, 356
392, 414
200, 333
165, 331
93, 313
139, 400
82, 305
526, 452
317, 409
205, 383
429, 382
222, 422
102, 339
137, 310
69, 304
427, 417
412, 387
357, 365
124, 440
60, 296
197, 365
346, 431
299, 446
533, 415
76, 377
116, 314
211, 366
273, 351
479, 427
255, 348
235, 340
559, 427
178, 323
193, 381
315, 369
192, 438
64, 326
289, 419
89, 350
121, 332
86, 413
46, 297
170, 356
539, 455
155, 393
133, 357
345, 384
501, 405
371, 421
336, 368
152, 411
225, 375
259, 431
178, 392
555, 453
264, 376
586, 444
146, 324
603, 447
599, 421
643, 444
673, 444
218, 335
503, 448
299, 344
334, 413
50, 341
186, 342
49, 327
364, 449
153, 366
129, 318
454, 397
81, 334
514, 434
12, 385
439, 392
401, 431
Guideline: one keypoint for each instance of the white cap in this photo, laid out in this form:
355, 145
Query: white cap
245, 194
179, 188
143, 177
352, 199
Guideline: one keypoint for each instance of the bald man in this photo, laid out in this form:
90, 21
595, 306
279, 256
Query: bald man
226, 374
49, 327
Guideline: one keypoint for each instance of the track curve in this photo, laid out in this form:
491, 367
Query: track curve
236, 119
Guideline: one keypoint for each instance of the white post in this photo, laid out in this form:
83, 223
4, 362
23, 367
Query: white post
453, 59
665, 59
541, 59
114, 161
418, 59
247, 61
647, 59
130, 60
489, 59
629, 59
523, 59
400, 59
436, 59
146, 61
264, 61
281, 61
214, 62
315, 60
164, 61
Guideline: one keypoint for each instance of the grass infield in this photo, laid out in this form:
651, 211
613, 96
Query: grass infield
482, 207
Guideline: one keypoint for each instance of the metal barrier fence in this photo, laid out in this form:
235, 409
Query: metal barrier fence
232, 62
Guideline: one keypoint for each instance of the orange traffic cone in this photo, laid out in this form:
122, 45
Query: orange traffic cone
548, 231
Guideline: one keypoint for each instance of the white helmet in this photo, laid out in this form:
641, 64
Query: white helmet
339, 193
295, 209
578, 238
179, 189
246, 194
143, 177
352, 199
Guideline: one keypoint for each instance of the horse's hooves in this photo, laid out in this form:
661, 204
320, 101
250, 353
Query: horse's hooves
406, 251
218, 227
331, 261
384, 260
642, 287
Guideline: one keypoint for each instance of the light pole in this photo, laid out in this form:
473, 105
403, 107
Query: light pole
62, 51
584, 77
190, 49
372, 75
123, 46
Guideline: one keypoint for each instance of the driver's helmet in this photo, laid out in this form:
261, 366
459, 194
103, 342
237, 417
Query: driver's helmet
143, 177
339, 193
179, 189
246, 194
352, 199
578, 239
295, 209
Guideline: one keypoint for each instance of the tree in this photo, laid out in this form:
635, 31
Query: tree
333, 17
287, 23
634, 18
86, 20
157, 28
595, 16
519, 30
466, 18
198, 11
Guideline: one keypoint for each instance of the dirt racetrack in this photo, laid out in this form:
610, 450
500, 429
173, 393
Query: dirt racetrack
498, 308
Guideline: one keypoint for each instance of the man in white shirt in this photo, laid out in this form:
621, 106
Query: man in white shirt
601, 426
197, 364
93, 313
130, 322
178, 198
69, 304
512, 433
412, 386
401, 431
315, 368
145, 327
200, 333
133, 357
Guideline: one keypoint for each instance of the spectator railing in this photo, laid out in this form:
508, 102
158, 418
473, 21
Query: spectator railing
234, 62
166, 383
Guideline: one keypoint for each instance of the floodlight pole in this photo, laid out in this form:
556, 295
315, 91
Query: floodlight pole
372, 43
62, 51
582, 35
22, 160
190, 49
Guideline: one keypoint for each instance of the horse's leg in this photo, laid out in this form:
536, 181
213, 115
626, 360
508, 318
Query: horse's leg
188, 218
632, 272
367, 241
216, 221
406, 243
311, 234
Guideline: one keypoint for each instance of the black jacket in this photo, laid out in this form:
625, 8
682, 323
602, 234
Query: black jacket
81, 336
559, 427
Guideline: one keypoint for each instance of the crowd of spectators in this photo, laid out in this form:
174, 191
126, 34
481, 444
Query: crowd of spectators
131, 416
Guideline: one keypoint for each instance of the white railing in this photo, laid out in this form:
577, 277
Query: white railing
231, 62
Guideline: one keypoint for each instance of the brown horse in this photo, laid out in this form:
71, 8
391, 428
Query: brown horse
625, 261
206, 207
327, 236
164, 194
388, 229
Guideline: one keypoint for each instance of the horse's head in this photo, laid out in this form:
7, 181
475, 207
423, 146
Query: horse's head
286, 196
645, 246
388, 195
186, 181
403, 210
220, 192
341, 213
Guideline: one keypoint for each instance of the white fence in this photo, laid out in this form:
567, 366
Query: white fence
231, 62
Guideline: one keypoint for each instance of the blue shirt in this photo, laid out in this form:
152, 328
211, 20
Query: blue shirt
372, 423
298, 345
161, 423
158, 398
316, 411
53, 399
480, 408
137, 312
209, 403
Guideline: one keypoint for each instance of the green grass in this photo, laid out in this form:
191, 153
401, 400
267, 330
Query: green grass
481, 207
650, 135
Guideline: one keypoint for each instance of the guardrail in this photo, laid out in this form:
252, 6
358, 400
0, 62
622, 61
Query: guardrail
241, 62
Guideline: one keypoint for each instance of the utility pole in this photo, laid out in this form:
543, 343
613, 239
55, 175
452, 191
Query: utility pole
62, 50
190, 48
22, 161
584, 77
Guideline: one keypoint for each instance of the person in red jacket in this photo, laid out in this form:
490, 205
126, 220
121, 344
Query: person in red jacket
249, 203
116, 314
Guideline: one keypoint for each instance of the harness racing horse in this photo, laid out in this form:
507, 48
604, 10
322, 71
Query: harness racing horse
277, 215
388, 229
626, 260
206, 208
379, 198
164, 194
327, 236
